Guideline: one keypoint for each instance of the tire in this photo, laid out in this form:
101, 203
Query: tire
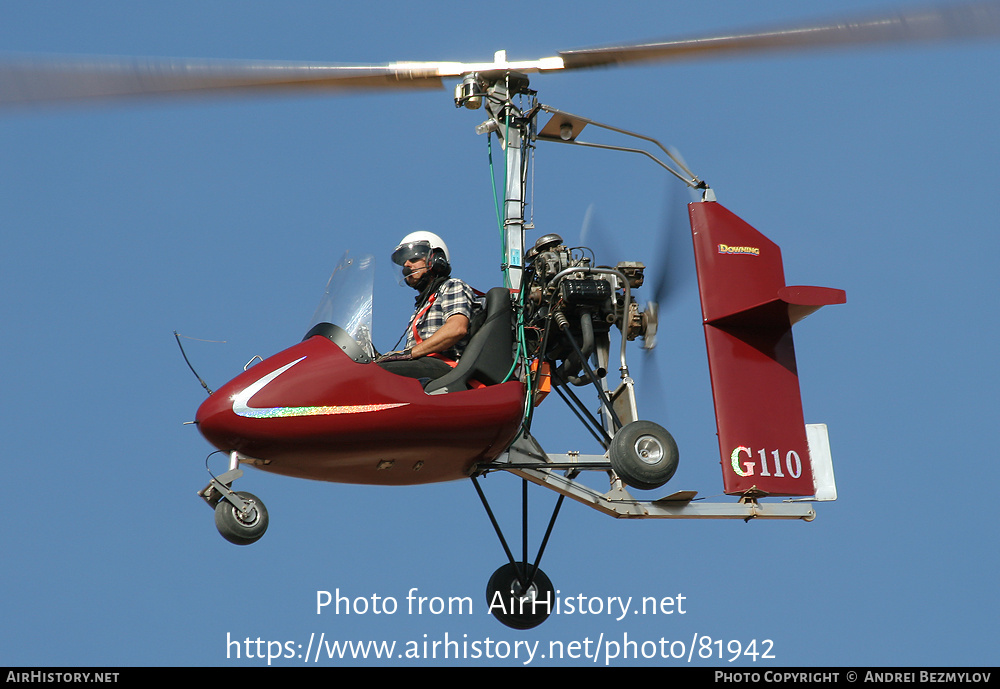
514, 610
644, 455
241, 529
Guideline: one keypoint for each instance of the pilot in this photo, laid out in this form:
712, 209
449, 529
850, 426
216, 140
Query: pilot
438, 331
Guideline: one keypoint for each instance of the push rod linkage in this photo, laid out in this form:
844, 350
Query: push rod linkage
686, 176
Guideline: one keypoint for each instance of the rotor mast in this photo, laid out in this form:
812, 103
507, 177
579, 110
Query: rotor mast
497, 88
513, 217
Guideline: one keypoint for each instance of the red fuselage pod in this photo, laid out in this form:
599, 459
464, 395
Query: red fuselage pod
312, 412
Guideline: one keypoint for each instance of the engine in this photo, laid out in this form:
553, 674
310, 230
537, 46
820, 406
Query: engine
572, 304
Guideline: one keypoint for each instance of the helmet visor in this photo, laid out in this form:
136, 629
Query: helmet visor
411, 251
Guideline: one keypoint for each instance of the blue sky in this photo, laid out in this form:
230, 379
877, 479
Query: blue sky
874, 170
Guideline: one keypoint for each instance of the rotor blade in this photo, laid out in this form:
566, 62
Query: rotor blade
970, 20
34, 79
37, 79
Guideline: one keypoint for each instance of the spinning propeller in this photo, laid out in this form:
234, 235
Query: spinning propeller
674, 266
26, 79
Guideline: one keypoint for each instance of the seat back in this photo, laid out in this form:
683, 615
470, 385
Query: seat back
490, 354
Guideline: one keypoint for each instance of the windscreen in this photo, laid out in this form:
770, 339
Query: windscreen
347, 301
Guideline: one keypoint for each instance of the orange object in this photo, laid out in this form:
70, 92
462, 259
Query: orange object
543, 380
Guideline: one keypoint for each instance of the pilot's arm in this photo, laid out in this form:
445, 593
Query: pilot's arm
449, 334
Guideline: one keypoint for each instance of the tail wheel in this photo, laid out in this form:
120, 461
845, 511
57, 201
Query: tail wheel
644, 455
241, 527
512, 605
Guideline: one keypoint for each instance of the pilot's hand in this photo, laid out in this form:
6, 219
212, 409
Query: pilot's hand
401, 355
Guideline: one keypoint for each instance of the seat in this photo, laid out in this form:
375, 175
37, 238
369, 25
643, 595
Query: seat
490, 354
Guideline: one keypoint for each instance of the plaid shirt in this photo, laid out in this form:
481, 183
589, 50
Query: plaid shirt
452, 298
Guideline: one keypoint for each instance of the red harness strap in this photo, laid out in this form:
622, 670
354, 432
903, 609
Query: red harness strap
418, 339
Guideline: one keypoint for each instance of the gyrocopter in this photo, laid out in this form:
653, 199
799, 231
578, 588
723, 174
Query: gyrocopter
561, 321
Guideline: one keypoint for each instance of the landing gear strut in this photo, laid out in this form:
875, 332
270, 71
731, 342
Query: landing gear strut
519, 594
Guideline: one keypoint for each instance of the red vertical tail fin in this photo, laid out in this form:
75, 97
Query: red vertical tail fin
748, 313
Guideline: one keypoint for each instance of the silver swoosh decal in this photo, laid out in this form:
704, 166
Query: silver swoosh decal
241, 402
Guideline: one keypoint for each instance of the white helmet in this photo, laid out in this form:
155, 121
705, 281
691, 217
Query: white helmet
419, 244
425, 245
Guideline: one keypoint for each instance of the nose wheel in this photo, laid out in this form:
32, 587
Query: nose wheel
240, 517
241, 525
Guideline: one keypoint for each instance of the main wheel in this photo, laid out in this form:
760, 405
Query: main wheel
644, 455
514, 607
241, 528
